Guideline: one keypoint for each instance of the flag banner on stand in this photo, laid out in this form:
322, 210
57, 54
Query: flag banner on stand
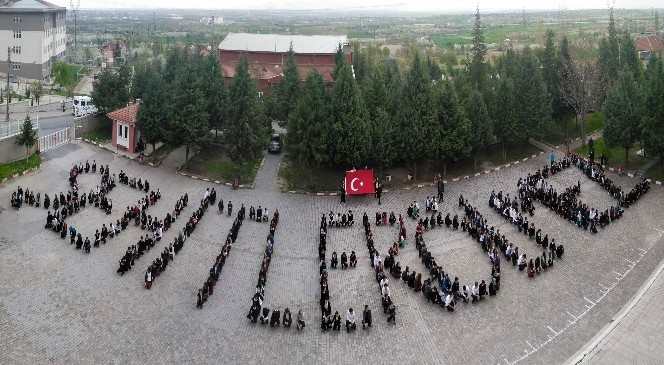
359, 182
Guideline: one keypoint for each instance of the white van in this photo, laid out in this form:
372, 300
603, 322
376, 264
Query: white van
83, 106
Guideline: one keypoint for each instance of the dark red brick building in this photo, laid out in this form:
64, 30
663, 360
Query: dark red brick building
267, 53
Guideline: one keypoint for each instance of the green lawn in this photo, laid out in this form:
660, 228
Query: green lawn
314, 179
321, 178
449, 40
556, 136
213, 163
616, 155
17, 167
656, 172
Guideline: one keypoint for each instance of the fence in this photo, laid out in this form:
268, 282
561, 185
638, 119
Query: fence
13, 127
55, 139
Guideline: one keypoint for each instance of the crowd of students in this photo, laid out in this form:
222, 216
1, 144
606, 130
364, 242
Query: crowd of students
339, 220
439, 288
19, 197
508, 209
329, 321
596, 173
389, 308
159, 264
65, 206
213, 276
155, 228
383, 220
258, 312
259, 214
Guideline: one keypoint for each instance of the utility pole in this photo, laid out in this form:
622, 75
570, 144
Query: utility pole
9, 69
74, 5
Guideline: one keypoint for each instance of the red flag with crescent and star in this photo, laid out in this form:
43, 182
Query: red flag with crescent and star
359, 182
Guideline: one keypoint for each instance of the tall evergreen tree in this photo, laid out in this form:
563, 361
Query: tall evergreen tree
28, 136
360, 63
551, 73
480, 124
307, 124
614, 45
452, 133
383, 132
507, 127
623, 110
478, 54
189, 118
416, 114
247, 128
351, 137
609, 59
652, 130
534, 111
212, 85
630, 57
287, 91
153, 112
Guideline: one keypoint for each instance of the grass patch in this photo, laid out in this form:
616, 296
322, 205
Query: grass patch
213, 163
10, 169
656, 172
314, 179
322, 178
101, 134
615, 155
449, 40
556, 135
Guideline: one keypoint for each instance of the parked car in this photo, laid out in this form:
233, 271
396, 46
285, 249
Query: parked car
275, 144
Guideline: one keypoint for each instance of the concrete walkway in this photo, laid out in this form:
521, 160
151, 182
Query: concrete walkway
636, 333
176, 158
266, 177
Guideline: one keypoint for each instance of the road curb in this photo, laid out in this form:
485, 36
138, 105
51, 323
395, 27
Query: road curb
580, 356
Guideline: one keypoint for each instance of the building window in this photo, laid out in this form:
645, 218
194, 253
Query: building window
17, 34
17, 19
16, 67
16, 49
120, 130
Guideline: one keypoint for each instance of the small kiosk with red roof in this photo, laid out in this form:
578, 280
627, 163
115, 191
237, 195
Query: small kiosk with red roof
125, 134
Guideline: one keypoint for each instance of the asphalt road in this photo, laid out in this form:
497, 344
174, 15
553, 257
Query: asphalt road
48, 125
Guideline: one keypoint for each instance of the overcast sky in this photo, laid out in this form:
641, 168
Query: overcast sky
413, 5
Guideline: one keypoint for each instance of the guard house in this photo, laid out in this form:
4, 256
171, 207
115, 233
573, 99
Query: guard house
125, 135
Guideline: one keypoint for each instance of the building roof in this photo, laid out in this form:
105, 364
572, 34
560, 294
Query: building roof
278, 43
650, 43
28, 6
125, 115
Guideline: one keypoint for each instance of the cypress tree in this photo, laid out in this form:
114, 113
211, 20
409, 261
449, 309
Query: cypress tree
623, 110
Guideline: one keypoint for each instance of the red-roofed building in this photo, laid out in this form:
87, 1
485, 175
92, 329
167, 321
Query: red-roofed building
266, 56
125, 134
649, 45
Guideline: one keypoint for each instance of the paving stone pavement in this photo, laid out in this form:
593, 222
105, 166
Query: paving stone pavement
60, 306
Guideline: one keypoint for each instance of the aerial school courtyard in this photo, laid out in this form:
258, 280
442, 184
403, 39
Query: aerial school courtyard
59, 305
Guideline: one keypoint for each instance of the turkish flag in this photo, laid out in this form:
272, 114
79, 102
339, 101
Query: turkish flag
359, 182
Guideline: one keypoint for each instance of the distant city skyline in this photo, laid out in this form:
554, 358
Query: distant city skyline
397, 5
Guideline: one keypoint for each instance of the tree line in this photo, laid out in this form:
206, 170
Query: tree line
185, 101
633, 101
380, 114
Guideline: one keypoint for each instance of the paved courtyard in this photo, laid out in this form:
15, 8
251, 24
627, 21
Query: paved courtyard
58, 305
